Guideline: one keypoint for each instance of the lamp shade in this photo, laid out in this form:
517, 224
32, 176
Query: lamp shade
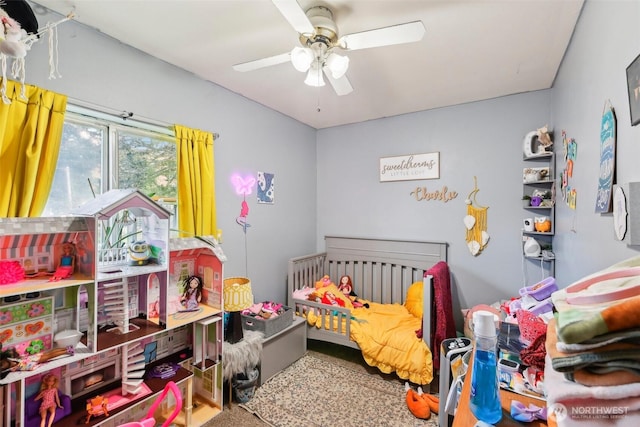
237, 294
338, 64
301, 58
314, 76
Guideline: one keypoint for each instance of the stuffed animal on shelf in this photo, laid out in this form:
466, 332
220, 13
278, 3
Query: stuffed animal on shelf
421, 404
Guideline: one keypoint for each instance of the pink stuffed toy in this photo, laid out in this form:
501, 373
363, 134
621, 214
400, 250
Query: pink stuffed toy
325, 281
11, 37
10, 272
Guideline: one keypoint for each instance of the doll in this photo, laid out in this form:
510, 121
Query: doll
50, 399
330, 299
192, 294
67, 264
346, 287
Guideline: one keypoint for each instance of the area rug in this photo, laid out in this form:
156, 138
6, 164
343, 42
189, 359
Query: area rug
314, 392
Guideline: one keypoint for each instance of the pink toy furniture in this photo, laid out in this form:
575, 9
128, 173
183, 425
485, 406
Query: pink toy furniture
32, 414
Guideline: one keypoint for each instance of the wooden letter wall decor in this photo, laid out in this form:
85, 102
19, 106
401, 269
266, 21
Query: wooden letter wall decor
444, 195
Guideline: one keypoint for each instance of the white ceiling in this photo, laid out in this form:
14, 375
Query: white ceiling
472, 50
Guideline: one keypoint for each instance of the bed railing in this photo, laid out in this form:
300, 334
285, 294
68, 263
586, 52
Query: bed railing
335, 319
304, 271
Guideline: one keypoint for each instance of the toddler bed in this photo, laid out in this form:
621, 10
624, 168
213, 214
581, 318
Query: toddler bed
406, 285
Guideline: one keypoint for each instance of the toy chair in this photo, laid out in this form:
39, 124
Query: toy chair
149, 421
97, 406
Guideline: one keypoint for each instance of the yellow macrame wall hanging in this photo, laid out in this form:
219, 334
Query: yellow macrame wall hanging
476, 222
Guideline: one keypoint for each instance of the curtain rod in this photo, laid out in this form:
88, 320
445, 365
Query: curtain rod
124, 115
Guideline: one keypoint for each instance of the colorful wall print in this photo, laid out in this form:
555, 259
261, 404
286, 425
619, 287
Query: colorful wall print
607, 159
266, 187
569, 194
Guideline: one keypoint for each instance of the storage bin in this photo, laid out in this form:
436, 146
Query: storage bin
244, 385
268, 326
542, 290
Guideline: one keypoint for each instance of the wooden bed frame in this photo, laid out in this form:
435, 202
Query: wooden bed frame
381, 271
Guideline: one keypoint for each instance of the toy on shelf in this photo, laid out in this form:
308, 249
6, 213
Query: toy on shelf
30, 362
139, 253
150, 421
192, 294
50, 399
67, 263
97, 406
11, 272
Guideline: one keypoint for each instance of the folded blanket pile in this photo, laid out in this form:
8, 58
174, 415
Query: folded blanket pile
592, 371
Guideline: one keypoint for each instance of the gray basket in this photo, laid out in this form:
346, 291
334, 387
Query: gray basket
244, 385
268, 326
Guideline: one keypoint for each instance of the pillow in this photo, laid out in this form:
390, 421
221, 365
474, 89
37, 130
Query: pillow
336, 292
302, 293
413, 302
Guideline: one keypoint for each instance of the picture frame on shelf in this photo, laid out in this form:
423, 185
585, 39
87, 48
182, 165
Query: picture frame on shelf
633, 89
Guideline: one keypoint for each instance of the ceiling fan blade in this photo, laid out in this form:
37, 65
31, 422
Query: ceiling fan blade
262, 63
341, 86
395, 34
296, 17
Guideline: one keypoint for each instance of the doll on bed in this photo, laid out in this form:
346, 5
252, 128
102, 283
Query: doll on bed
330, 299
346, 287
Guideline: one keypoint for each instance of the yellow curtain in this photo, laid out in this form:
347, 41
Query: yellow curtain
30, 134
196, 182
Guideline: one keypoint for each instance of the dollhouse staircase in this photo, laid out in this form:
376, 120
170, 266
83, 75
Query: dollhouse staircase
133, 362
116, 305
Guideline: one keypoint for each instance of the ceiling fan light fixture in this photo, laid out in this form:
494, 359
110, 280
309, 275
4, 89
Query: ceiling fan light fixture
314, 77
301, 58
338, 64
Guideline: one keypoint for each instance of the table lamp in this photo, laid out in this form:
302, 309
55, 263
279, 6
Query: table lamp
237, 297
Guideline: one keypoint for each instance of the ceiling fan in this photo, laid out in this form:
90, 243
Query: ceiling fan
319, 39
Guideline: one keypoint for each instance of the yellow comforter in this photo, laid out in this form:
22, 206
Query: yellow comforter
386, 334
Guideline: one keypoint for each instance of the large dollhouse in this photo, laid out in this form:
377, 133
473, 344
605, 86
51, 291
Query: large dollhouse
101, 304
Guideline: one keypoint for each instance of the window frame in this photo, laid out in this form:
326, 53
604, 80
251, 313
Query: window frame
114, 126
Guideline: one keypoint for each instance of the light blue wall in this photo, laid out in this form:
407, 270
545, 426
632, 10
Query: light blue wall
102, 71
606, 40
327, 181
482, 139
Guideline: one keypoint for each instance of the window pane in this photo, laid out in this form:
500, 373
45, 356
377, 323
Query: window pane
79, 168
147, 163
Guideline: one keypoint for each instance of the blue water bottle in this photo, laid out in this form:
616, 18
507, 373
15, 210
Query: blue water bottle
485, 391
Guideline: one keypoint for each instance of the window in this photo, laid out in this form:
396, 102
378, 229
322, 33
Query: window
99, 152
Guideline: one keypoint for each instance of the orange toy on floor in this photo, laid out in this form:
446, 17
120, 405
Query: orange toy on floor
420, 404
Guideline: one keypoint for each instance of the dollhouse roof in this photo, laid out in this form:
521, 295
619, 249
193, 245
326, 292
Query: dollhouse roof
198, 243
107, 204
